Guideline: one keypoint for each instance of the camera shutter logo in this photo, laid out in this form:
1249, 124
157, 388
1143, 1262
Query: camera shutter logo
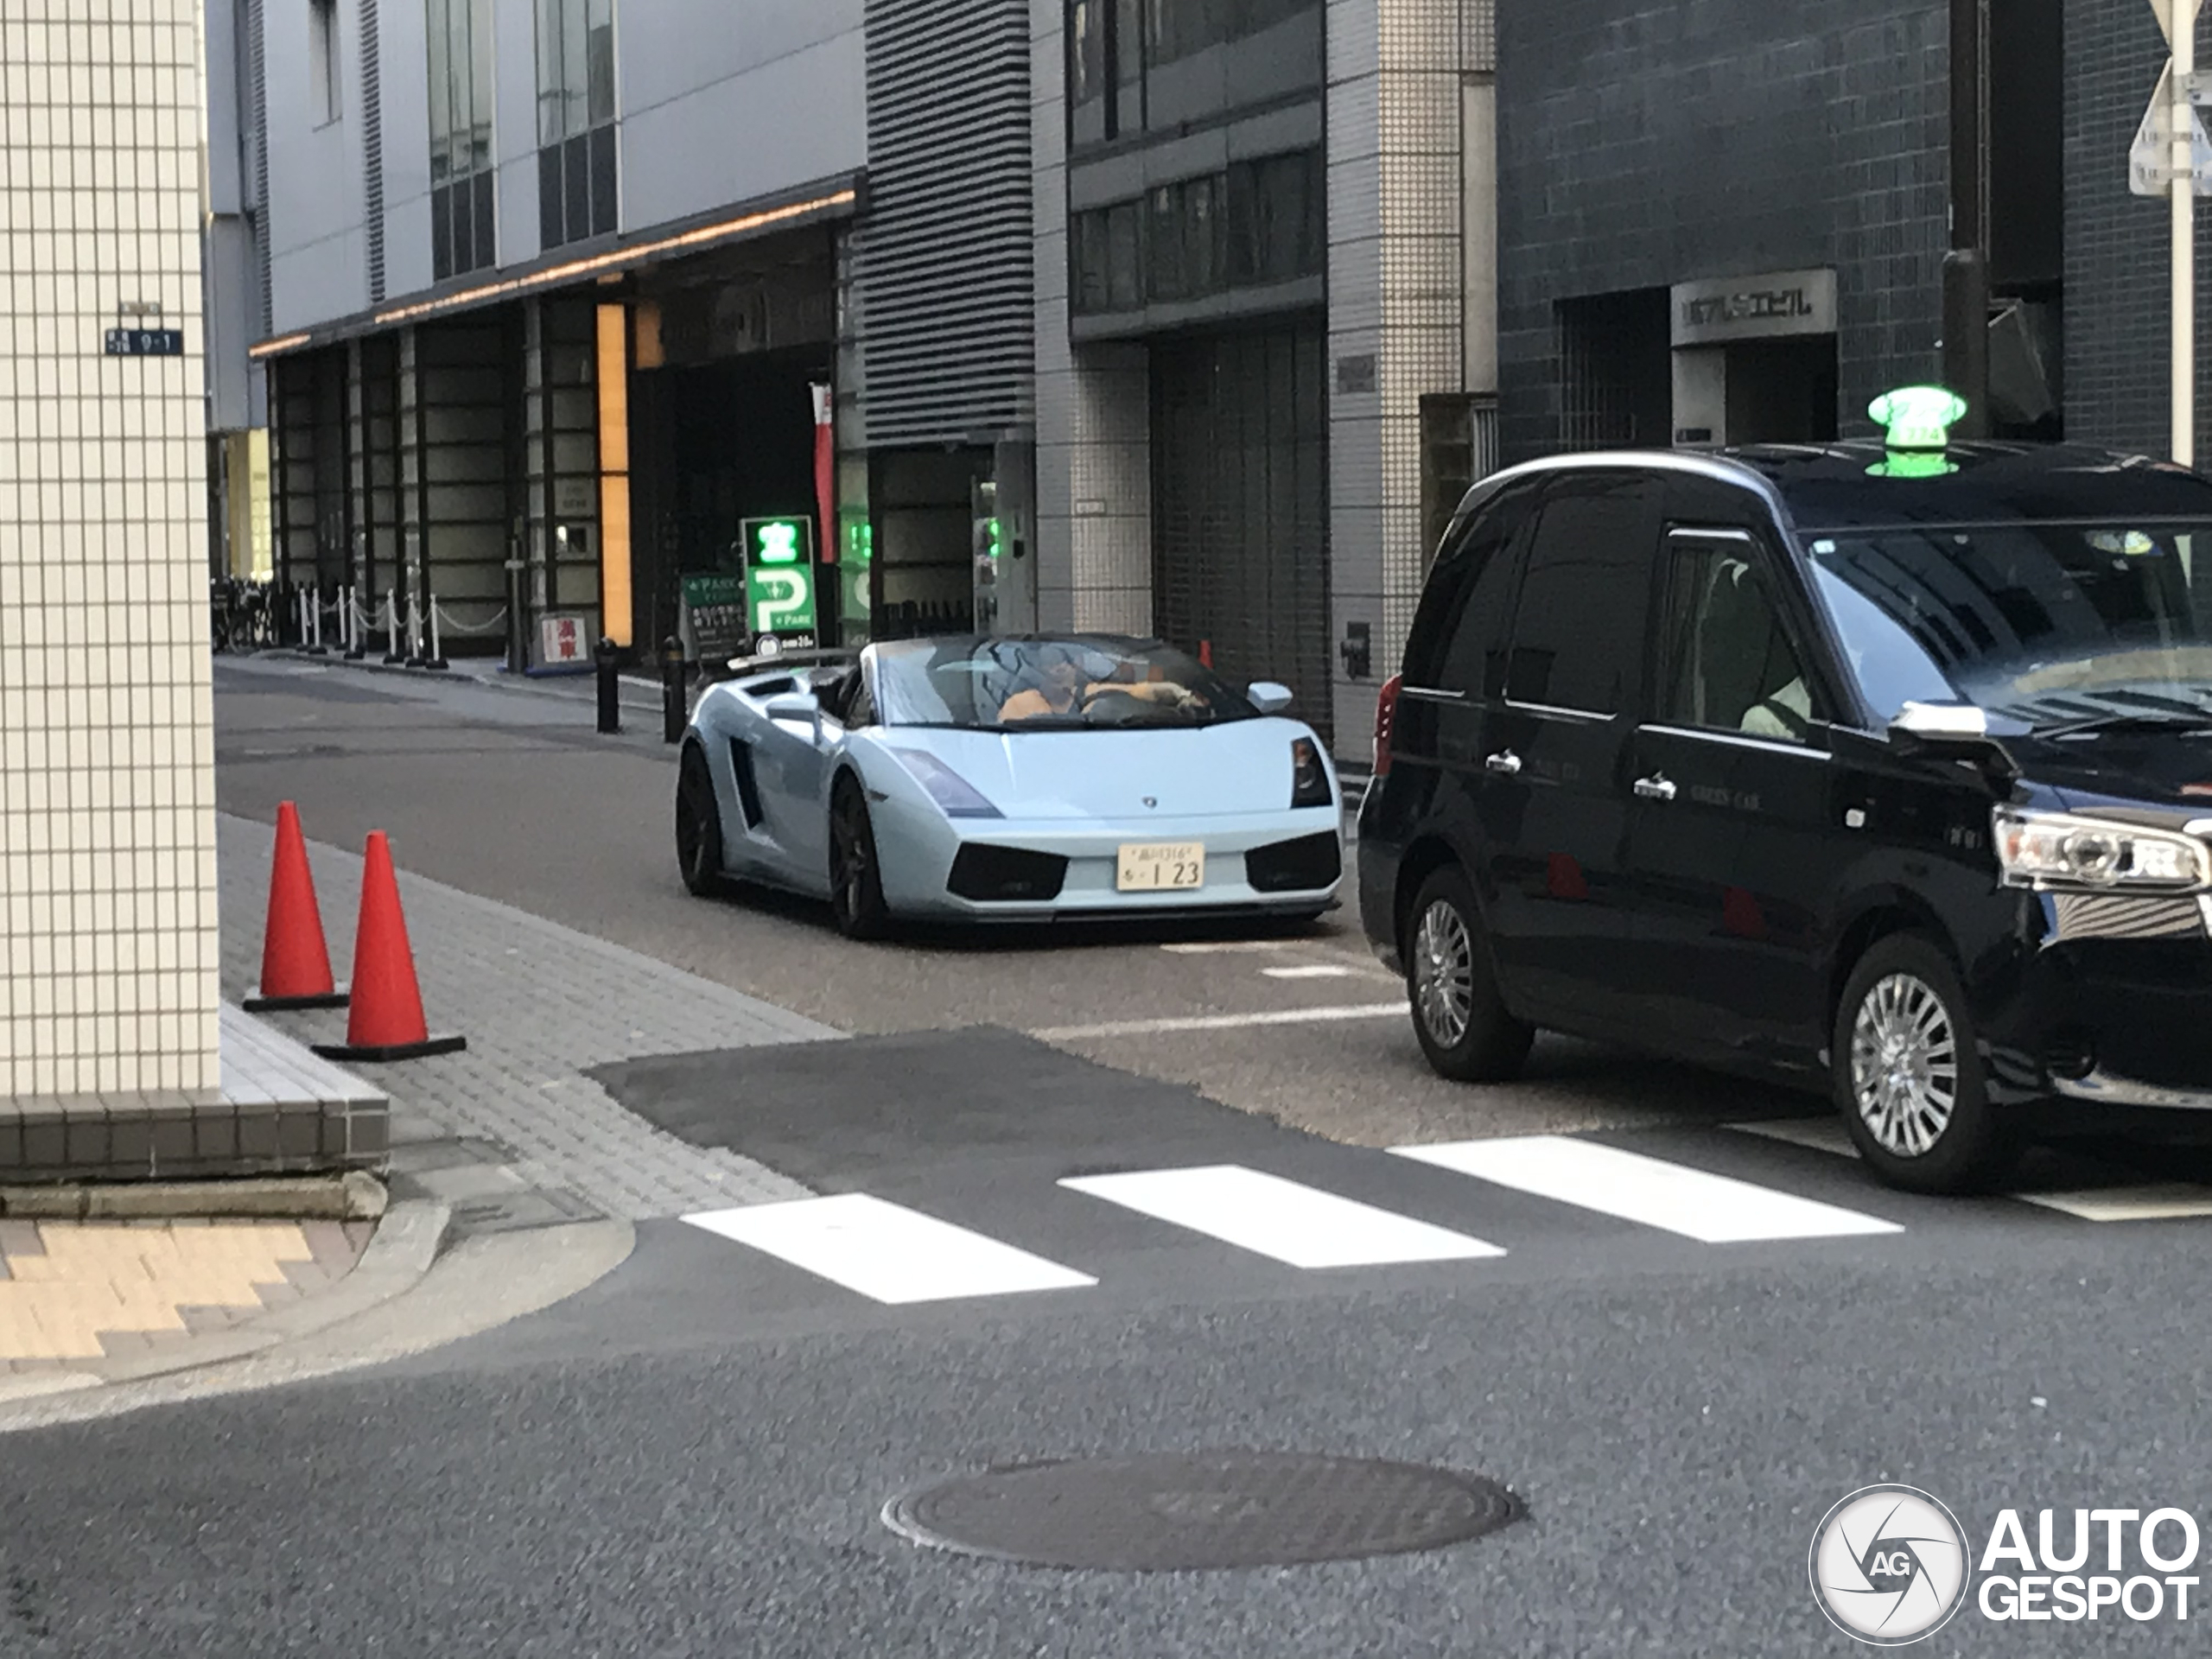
1889, 1565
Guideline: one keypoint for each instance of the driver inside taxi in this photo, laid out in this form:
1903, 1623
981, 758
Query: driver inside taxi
1066, 688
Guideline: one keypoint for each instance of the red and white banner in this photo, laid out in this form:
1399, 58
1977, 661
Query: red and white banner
825, 469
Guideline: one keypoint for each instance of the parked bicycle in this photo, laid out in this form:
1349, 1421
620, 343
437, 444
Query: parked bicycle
240, 615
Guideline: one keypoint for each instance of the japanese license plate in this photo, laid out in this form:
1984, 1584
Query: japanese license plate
1146, 866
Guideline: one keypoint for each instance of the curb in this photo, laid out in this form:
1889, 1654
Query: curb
398, 1258
354, 1195
412, 1301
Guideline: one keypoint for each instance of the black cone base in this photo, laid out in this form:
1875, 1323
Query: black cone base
391, 1052
258, 1003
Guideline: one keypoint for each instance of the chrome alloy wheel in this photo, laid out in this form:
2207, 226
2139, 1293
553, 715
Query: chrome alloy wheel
1444, 972
1904, 1064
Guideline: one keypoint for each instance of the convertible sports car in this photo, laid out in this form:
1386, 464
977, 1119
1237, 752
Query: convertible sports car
1012, 778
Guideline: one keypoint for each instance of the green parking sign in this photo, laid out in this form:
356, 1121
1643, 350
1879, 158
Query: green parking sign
780, 576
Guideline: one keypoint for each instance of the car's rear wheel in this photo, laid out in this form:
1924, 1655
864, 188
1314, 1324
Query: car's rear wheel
698, 825
1462, 1023
856, 878
1908, 1073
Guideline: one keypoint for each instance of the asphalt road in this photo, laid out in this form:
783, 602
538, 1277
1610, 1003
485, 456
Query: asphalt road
1676, 1377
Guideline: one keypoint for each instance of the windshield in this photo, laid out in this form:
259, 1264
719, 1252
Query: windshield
1081, 681
2048, 623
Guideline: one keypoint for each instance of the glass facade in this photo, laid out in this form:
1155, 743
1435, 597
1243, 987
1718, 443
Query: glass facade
462, 217
577, 170
1256, 223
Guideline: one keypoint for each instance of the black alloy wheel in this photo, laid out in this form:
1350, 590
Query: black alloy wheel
1462, 1022
698, 825
855, 879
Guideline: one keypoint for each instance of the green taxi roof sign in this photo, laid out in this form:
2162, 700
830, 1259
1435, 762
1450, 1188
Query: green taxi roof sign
1918, 417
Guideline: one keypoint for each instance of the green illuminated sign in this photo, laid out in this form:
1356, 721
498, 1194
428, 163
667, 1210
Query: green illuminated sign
1916, 424
779, 575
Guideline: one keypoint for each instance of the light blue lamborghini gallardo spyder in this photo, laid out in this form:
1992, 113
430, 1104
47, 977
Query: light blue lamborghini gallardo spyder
1016, 778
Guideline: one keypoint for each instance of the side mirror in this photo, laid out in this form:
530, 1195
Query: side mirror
821, 679
1267, 697
1949, 731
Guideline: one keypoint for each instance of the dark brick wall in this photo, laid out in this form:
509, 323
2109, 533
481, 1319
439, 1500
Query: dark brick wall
2119, 305
1643, 144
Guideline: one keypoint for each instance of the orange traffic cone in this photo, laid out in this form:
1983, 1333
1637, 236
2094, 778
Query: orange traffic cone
386, 1023
295, 960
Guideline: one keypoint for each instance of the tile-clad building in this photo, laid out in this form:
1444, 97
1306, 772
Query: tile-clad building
1729, 221
108, 952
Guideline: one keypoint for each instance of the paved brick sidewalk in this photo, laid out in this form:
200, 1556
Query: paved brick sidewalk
80, 1291
540, 1004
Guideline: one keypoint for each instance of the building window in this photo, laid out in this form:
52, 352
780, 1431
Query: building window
322, 61
576, 171
1257, 222
461, 214
1113, 45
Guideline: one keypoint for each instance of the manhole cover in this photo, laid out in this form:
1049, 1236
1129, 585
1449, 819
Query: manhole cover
1180, 1512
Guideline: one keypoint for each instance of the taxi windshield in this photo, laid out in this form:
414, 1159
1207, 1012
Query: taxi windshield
1077, 681
2051, 623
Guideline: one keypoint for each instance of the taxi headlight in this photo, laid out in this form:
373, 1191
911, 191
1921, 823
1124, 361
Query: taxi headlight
2057, 850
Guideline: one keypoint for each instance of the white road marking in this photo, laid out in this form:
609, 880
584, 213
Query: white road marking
1267, 1214
1820, 1134
887, 1252
1218, 1021
1309, 971
1225, 947
2167, 1201
1713, 1208
2155, 1201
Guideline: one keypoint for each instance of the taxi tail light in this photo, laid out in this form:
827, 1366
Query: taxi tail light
1386, 715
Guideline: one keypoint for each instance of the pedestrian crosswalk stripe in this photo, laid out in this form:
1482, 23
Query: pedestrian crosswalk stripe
886, 1251
2156, 1201
1276, 1217
2165, 1201
1713, 1208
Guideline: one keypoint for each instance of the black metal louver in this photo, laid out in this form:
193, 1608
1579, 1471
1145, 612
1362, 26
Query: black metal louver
372, 145
946, 263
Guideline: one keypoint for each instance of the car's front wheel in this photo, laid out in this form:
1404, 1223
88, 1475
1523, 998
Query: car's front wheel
698, 825
1462, 1023
1908, 1073
856, 878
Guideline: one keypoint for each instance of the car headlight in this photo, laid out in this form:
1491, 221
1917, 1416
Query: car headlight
2056, 849
955, 796
1309, 778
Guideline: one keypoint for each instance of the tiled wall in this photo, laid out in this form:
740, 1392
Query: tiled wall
1094, 408
2118, 292
107, 852
1395, 70
1643, 144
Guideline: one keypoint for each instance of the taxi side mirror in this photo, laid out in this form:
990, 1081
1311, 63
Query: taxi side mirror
1267, 697
1949, 731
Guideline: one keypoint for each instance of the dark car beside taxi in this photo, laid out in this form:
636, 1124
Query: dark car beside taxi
1881, 768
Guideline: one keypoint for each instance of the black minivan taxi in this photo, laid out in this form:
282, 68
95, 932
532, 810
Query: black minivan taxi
1883, 770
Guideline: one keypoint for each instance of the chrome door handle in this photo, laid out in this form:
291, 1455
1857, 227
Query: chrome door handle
1505, 761
1655, 787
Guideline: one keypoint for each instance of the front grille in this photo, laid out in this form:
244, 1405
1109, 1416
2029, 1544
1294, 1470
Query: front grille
1299, 866
1007, 874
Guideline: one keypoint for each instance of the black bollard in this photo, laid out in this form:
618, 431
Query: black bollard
672, 720
610, 702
